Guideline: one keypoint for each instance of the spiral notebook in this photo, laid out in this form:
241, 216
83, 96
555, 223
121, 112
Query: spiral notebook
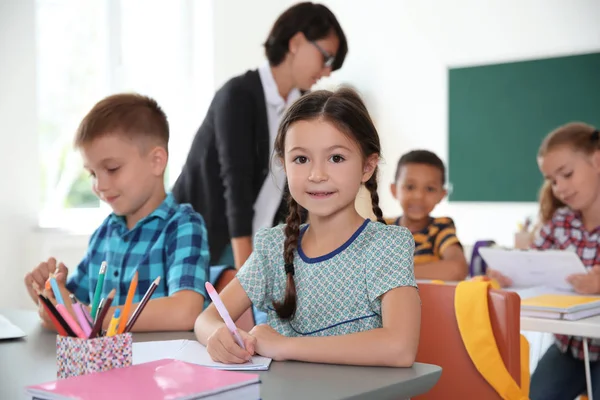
193, 352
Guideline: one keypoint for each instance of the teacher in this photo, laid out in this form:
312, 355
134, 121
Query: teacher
229, 176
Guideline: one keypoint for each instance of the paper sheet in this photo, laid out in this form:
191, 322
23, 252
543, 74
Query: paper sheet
190, 351
529, 268
8, 330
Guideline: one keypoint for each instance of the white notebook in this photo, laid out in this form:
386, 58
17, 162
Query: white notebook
528, 268
192, 352
556, 315
8, 330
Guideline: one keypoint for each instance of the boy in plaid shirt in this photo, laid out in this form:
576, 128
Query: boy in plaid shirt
569, 158
124, 144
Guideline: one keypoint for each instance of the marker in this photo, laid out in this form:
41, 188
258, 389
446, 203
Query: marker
70, 321
224, 314
80, 314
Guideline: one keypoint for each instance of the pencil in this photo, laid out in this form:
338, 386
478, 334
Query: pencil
62, 328
99, 286
102, 314
114, 322
128, 301
56, 290
140, 307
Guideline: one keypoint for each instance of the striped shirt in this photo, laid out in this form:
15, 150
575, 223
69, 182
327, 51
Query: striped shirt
433, 240
171, 243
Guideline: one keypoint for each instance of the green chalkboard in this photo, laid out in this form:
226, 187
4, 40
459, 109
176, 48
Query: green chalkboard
499, 114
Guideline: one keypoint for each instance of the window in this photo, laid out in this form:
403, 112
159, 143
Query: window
87, 50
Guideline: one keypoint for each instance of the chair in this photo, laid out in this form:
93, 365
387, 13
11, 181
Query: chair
220, 276
441, 343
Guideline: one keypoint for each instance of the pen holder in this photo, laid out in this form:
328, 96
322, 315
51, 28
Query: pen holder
523, 240
75, 356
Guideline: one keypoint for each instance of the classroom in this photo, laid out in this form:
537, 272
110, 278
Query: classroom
479, 89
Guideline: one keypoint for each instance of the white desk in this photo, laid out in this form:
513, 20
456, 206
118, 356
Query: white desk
587, 327
32, 360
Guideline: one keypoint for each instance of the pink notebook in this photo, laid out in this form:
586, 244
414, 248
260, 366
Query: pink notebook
162, 379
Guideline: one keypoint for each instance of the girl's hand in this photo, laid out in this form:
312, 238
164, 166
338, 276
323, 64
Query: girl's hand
502, 280
222, 347
269, 342
586, 283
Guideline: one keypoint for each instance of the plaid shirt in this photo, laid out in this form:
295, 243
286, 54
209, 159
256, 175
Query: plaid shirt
171, 243
566, 232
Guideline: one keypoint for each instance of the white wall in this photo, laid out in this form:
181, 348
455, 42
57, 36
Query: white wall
399, 54
18, 154
401, 68
240, 29
398, 59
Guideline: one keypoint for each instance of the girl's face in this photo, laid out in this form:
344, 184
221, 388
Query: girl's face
311, 60
574, 176
324, 167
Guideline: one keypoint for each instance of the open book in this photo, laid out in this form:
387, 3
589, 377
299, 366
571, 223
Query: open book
190, 351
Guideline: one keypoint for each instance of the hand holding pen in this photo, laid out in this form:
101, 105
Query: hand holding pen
228, 344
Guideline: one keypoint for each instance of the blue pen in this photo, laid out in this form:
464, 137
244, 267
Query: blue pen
56, 290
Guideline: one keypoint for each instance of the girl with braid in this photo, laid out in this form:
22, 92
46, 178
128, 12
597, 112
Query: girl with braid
340, 289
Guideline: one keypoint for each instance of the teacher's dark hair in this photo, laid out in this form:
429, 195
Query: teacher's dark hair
315, 21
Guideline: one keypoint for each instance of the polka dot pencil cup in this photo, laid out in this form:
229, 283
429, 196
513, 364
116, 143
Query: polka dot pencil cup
75, 356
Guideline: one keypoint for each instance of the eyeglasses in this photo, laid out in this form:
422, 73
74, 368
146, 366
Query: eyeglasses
328, 59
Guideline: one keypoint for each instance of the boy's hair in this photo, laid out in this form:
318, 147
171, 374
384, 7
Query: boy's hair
421, 157
315, 21
579, 137
346, 110
128, 114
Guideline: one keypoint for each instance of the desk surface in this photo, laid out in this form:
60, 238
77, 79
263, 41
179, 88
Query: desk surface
32, 360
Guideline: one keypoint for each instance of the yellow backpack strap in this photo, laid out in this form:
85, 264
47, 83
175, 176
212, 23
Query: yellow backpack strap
482, 278
525, 375
473, 318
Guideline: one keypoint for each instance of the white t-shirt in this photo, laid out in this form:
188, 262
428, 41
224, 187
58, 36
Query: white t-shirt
270, 195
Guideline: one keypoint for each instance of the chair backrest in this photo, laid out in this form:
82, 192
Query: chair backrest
246, 321
441, 343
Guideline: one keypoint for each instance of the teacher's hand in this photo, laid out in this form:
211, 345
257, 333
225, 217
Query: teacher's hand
586, 283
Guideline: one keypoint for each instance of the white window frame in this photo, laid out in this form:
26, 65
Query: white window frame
199, 68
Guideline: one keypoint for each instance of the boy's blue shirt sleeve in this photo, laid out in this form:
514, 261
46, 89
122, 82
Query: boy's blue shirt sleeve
187, 253
78, 281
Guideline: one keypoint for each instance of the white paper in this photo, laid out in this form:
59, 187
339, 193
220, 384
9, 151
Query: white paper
528, 268
8, 330
190, 351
